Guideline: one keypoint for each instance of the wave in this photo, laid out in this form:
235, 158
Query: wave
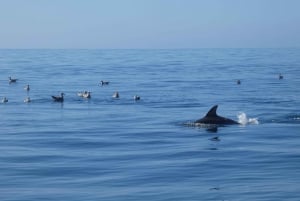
289, 118
293, 117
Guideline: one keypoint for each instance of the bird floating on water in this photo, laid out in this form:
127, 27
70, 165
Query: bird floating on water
116, 95
59, 98
104, 82
85, 94
11, 80
4, 100
27, 88
280, 76
136, 97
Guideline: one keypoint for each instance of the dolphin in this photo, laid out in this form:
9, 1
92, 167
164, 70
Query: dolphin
212, 118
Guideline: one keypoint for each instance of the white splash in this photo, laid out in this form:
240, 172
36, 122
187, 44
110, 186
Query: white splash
243, 119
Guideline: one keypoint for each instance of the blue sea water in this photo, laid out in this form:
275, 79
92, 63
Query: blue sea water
108, 149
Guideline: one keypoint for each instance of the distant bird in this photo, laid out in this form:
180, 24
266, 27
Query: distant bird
238, 82
27, 88
116, 95
104, 82
27, 100
59, 98
280, 76
4, 100
85, 94
136, 98
80, 94
11, 80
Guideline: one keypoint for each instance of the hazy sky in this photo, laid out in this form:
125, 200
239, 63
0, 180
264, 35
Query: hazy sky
149, 23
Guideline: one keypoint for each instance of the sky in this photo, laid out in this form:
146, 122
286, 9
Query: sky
127, 24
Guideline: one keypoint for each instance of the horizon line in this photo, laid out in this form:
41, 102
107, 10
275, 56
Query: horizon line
187, 48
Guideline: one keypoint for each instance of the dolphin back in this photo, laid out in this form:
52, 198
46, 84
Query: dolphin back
212, 118
212, 112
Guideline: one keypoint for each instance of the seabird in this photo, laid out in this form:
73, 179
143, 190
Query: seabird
104, 82
116, 95
27, 88
136, 97
11, 80
4, 100
85, 94
280, 76
80, 94
59, 98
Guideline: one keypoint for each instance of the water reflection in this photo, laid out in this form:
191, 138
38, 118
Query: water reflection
213, 129
215, 139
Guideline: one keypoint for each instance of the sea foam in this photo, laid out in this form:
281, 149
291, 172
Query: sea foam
243, 119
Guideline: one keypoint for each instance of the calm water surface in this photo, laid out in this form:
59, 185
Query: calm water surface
106, 149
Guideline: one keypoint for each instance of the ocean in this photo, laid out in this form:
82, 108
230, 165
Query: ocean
124, 149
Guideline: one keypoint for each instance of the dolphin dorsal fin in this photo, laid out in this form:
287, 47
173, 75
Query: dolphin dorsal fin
212, 112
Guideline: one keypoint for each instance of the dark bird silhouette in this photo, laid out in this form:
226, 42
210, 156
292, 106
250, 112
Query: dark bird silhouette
27, 87
116, 95
11, 80
4, 100
59, 98
136, 98
104, 82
